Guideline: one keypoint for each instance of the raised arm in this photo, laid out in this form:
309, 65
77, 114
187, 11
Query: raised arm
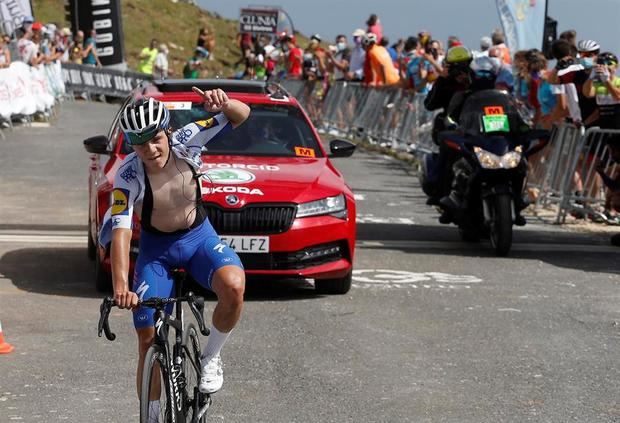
217, 101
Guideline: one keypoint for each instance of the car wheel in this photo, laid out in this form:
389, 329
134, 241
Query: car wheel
337, 286
103, 280
92, 248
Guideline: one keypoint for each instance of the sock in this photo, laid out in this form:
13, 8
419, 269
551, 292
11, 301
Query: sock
215, 342
153, 411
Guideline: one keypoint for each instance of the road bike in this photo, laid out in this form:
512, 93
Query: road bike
170, 375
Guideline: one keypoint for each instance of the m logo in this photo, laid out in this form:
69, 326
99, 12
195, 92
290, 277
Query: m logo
304, 152
494, 110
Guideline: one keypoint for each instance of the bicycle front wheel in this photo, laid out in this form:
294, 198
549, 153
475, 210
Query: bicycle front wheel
191, 368
155, 402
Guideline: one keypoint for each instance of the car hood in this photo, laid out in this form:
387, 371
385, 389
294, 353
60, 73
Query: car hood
268, 179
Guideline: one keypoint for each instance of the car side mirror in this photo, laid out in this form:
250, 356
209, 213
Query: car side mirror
97, 144
341, 148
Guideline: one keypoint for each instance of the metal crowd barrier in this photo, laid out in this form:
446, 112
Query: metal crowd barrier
389, 116
565, 173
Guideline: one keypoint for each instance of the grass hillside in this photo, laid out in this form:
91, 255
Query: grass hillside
176, 24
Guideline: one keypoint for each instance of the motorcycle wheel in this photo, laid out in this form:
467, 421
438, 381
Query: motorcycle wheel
501, 225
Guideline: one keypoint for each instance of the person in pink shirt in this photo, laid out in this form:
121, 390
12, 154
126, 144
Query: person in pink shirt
374, 26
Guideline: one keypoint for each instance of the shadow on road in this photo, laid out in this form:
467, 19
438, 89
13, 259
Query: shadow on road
68, 272
588, 261
53, 271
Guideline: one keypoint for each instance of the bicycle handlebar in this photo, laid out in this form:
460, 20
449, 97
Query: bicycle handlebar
196, 304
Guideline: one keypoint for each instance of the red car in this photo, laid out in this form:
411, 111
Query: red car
269, 188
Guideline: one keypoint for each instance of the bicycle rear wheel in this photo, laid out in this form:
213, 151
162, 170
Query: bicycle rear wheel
155, 402
191, 369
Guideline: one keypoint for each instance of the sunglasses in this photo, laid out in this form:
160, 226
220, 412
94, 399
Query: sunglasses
142, 138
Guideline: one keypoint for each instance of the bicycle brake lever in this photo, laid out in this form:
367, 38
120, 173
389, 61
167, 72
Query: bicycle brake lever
104, 325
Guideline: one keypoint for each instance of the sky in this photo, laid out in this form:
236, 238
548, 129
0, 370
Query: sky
468, 19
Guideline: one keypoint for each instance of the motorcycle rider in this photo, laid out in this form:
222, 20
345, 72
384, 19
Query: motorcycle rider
449, 93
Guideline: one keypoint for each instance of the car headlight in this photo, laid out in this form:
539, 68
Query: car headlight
336, 206
492, 161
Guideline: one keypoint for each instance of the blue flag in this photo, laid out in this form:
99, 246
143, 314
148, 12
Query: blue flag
523, 22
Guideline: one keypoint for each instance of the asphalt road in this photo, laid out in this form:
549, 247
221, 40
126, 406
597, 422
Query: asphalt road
433, 330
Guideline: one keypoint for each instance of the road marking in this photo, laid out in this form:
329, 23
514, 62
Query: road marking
359, 197
523, 247
389, 278
371, 218
43, 237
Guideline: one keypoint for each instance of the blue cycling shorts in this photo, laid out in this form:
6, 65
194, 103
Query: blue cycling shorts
200, 251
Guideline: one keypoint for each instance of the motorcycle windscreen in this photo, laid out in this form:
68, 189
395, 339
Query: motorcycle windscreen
490, 112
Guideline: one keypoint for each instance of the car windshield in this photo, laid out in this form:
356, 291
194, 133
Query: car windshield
271, 130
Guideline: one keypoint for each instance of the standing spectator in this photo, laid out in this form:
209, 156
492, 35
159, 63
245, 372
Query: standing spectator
410, 52
570, 36
485, 45
294, 57
588, 51
423, 70
315, 59
27, 50
192, 67
382, 70
374, 26
160, 65
77, 48
91, 58
358, 57
339, 61
396, 51
147, 57
499, 41
206, 40
505, 79
5, 54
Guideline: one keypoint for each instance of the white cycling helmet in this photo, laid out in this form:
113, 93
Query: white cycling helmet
142, 120
588, 46
369, 38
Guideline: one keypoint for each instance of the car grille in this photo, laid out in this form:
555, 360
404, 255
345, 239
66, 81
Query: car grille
251, 219
308, 257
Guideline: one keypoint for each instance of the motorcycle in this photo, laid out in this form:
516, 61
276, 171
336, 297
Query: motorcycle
485, 157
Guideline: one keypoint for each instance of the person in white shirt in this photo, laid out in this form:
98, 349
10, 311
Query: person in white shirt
160, 66
358, 57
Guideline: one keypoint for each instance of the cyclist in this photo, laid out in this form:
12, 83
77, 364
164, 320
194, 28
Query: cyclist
161, 180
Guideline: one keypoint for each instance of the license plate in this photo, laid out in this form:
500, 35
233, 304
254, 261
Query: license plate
495, 123
247, 244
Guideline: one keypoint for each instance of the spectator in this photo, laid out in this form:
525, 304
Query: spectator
454, 41
77, 49
91, 58
339, 60
192, 67
315, 59
546, 98
206, 40
5, 54
410, 52
521, 79
65, 42
569, 85
358, 57
536, 63
382, 70
505, 79
396, 51
374, 26
147, 57
423, 70
499, 41
588, 51
294, 57
28, 51
160, 65
570, 36
604, 85
485, 45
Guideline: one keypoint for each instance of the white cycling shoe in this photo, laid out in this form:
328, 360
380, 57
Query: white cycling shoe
212, 376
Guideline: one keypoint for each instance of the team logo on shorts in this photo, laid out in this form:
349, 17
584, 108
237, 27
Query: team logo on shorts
120, 201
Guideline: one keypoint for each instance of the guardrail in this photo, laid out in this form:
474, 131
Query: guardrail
390, 116
565, 173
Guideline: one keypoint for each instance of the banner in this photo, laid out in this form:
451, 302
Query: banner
523, 22
25, 90
111, 82
12, 13
259, 21
105, 17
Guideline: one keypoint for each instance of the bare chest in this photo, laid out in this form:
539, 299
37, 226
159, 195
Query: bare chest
174, 188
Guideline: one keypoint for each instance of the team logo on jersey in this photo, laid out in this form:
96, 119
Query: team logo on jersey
207, 124
182, 135
129, 174
120, 201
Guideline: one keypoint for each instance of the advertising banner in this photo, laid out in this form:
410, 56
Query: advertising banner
259, 21
111, 82
523, 22
105, 17
12, 13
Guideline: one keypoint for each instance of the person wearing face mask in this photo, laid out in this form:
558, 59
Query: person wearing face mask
339, 58
357, 57
588, 51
